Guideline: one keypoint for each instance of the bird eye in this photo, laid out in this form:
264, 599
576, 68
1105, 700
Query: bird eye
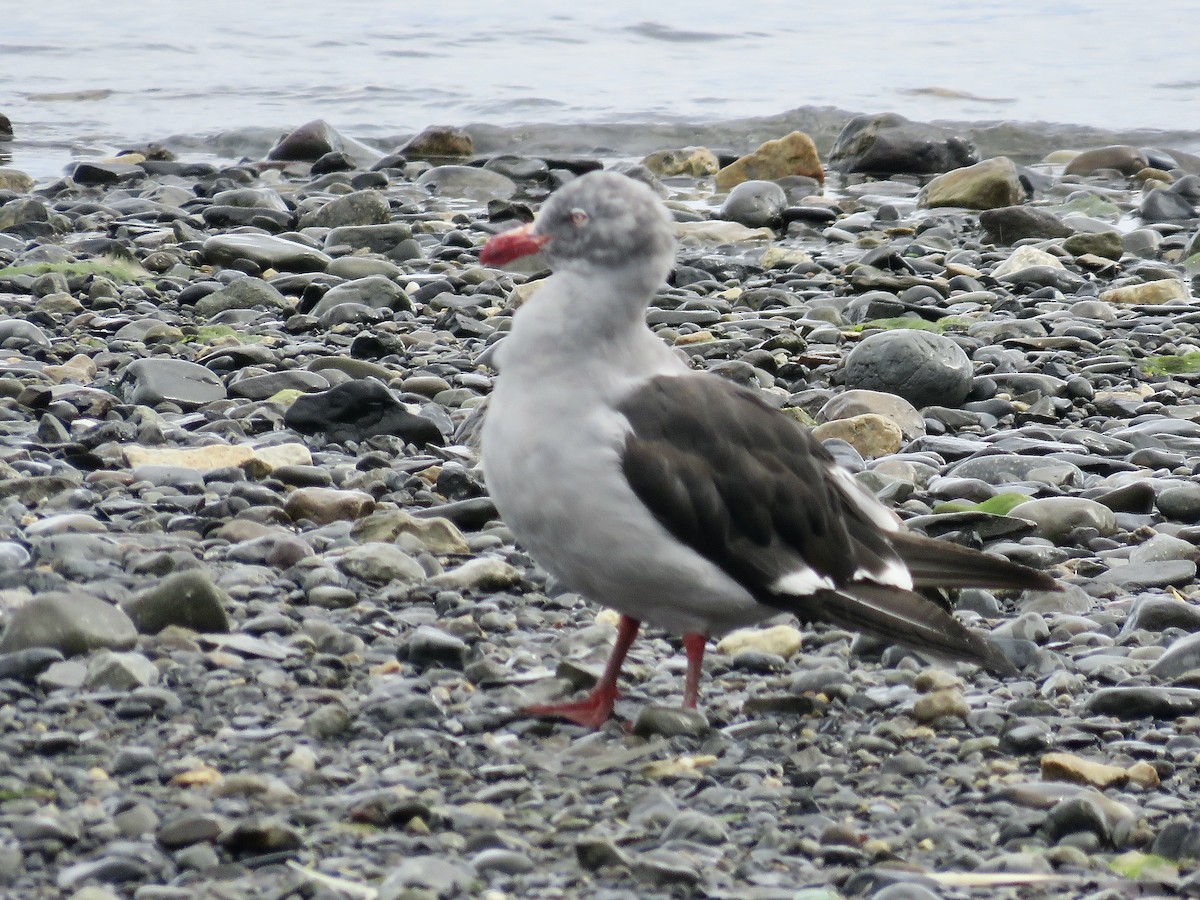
578, 217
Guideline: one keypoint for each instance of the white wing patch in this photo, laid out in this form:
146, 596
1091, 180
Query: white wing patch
894, 574
802, 582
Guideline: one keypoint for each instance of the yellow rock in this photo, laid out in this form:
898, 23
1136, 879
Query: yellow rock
681, 767
946, 702
696, 337
694, 161
792, 154
720, 232
781, 640
218, 456
608, 616
782, 257
1150, 293
986, 185
870, 434
1069, 767
1143, 775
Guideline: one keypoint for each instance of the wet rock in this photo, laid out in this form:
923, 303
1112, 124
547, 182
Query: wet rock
308, 143
890, 144
438, 142
694, 161
669, 721
356, 209
755, 204
468, 183
480, 574
986, 185
439, 536
1009, 224
792, 154
242, 293
1119, 157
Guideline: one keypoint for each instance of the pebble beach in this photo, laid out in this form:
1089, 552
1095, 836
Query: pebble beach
265, 636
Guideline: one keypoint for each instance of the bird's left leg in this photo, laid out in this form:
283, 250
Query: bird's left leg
693, 645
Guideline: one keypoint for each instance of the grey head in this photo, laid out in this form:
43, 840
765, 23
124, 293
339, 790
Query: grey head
606, 220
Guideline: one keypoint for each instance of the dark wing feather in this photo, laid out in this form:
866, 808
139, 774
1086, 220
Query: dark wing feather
750, 489
744, 484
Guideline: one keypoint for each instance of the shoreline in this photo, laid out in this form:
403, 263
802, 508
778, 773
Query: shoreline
263, 631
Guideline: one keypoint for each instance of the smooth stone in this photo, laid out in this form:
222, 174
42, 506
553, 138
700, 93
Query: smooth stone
1183, 655
939, 704
264, 250
1057, 517
467, 182
434, 876
986, 185
1150, 293
323, 505
243, 293
263, 387
428, 646
783, 641
1160, 205
220, 456
870, 434
1025, 257
921, 367
1133, 577
669, 721
381, 238
1156, 614
438, 535
1008, 224
1106, 244
374, 292
860, 402
367, 207
755, 204
151, 381
1144, 702
72, 623
381, 564
485, 573
438, 142
1120, 157
188, 599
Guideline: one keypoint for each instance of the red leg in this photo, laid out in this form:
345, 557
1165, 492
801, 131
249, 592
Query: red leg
694, 645
596, 708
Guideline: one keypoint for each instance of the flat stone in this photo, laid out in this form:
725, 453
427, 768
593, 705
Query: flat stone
266, 251
1056, 517
149, 382
985, 185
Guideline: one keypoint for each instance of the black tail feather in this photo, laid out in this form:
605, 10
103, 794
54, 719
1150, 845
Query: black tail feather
935, 563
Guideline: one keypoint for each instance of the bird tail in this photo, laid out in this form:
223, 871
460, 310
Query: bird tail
935, 563
902, 616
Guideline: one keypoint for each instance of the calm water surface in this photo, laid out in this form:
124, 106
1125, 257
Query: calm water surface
79, 78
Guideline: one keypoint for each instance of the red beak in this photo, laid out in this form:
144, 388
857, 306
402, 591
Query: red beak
510, 245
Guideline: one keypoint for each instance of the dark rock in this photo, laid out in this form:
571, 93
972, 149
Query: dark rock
355, 411
188, 599
72, 623
1009, 224
922, 367
890, 144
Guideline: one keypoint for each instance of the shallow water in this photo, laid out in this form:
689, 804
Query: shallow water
126, 72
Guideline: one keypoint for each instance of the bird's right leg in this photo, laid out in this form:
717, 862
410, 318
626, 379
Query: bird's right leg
596, 708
